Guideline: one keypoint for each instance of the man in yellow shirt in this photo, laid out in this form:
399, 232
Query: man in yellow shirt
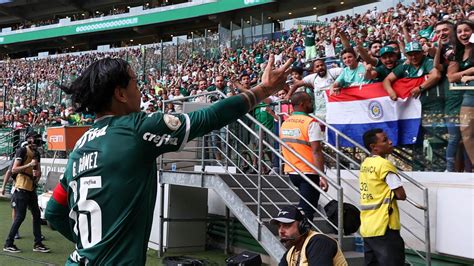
380, 188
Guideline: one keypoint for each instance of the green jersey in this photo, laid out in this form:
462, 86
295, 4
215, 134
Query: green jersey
109, 187
260, 113
432, 99
309, 38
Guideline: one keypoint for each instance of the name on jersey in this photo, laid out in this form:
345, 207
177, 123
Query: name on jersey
91, 134
86, 162
160, 140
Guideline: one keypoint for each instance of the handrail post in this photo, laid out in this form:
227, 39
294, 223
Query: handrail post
226, 163
162, 217
340, 213
338, 167
280, 161
427, 227
203, 167
259, 195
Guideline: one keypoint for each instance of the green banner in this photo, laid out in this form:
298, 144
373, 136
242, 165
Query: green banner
310, 23
131, 21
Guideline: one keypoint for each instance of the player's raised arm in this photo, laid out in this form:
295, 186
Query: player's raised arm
230, 109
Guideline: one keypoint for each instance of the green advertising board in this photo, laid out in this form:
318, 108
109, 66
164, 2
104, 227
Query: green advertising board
130, 21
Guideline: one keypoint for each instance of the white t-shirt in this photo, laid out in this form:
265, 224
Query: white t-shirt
314, 132
393, 181
320, 84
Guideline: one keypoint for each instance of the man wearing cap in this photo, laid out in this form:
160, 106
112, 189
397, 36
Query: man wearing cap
419, 65
432, 100
27, 168
389, 60
305, 246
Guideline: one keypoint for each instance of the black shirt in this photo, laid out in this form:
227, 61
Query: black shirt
320, 251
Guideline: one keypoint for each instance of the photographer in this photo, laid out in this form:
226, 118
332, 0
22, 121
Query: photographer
27, 168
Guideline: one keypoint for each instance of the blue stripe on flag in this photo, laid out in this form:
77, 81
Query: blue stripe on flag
401, 132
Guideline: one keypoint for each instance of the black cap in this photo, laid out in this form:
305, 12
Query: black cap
32, 134
288, 214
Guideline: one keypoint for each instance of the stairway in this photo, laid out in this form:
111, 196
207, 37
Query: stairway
240, 194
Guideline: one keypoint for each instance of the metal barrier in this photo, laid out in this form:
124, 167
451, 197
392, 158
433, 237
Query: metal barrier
234, 148
422, 206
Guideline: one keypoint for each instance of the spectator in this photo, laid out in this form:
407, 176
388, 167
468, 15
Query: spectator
462, 70
353, 74
321, 80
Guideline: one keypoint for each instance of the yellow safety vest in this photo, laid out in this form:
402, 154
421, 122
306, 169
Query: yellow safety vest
24, 180
300, 259
294, 132
376, 198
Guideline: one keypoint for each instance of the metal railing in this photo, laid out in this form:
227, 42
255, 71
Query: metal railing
234, 147
421, 206
233, 150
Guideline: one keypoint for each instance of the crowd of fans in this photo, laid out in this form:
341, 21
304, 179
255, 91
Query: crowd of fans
368, 45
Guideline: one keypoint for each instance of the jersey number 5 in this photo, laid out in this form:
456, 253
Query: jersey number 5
88, 215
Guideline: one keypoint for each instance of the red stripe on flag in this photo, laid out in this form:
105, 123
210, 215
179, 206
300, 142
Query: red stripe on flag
375, 90
60, 195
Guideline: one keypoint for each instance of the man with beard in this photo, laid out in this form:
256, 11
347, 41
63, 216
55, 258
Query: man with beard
305, 246
388, 58
302, 133
320, 80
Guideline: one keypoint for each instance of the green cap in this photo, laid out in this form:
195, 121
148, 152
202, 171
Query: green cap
413, 47
387, 49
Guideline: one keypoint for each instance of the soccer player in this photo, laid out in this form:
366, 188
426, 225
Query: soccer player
105, 200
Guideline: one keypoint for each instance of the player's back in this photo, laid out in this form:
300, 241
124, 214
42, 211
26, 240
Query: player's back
111, 178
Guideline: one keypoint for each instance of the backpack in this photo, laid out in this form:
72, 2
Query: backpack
351, 216
182, 261
245, 258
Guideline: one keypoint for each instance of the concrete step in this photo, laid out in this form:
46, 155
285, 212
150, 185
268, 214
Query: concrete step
354, 258
268, 194
252, 180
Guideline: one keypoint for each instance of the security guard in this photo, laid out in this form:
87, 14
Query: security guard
380, 188
302, 133
306, 247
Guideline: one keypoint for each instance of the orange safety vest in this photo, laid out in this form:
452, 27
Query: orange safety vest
294, 132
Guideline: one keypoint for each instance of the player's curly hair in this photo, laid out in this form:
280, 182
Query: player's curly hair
92, 91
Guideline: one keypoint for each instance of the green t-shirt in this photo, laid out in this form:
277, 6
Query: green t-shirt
111, 180
463, 66
309, 38
432, 99
338, 49
263, 116
426, 33
352, 77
